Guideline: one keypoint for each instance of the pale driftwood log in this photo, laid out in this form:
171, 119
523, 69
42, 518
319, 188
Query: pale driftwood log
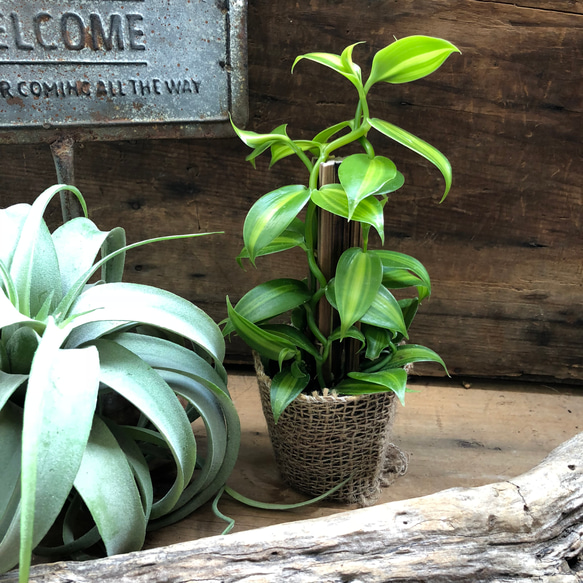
526, 529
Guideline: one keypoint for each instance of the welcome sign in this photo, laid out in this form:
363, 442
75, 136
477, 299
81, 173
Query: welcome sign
121, 69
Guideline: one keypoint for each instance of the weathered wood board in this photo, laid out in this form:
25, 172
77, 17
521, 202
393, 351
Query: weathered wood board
504, 250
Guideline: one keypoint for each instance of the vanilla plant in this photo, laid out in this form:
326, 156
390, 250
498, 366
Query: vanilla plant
359, 290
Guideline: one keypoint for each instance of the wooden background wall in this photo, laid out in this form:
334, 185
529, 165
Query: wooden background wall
505, 250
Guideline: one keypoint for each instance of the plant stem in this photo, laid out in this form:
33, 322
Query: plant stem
348, 138
379, 364
310, 244
302, 156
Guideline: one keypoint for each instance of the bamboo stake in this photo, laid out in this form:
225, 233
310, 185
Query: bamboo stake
335, 235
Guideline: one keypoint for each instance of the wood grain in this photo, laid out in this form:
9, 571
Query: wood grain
503, 250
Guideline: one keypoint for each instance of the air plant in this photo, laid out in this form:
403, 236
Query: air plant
72, 466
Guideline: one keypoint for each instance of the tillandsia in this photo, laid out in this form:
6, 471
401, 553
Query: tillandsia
359, 289
70, 466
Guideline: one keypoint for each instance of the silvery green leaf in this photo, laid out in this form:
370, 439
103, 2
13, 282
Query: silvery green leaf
12, 220
78, 242
10, 438
137, 382
131, 302
34, 267
164, 354
106, 483
8, 384
190, 501
21, 348
59, 407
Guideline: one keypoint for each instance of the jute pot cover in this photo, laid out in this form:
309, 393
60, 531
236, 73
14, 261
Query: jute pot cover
321, 440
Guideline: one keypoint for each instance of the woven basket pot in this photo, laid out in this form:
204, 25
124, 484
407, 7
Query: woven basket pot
319, 441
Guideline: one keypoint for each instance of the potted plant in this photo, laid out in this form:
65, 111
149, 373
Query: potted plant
75, 472
341, 350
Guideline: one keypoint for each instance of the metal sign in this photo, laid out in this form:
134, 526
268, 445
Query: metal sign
121, 69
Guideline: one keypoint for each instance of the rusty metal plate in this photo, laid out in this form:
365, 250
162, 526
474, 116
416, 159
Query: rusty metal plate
121, 69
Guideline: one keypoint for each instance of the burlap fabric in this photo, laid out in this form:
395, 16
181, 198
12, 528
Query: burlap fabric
321, 440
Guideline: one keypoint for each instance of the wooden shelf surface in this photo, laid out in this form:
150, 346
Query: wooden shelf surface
455, 434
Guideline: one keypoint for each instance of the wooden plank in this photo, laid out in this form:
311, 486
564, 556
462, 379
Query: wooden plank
455, 437
528, 528
569, 6
504, 249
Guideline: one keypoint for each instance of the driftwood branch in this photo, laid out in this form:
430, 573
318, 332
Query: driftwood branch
526, 529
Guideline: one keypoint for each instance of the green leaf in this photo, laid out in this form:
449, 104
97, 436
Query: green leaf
255, 140
385, 380
385, 312
336, 63
408, 59
280, 151
265, 145
377, 339
286, 385
287, 240
362, 176
357, 282
410, 353
267, 344
395, 267
326, 134
348, 63
270, 299
409, 307
332, 198
293, 335
352, 332
395, 278
106, 483
271, 215
417, 145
